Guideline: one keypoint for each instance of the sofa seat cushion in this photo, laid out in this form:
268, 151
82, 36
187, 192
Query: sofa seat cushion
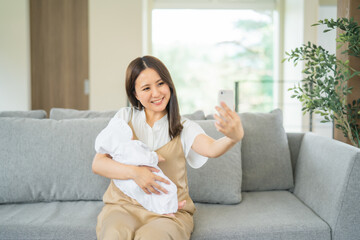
52, 220
261, 215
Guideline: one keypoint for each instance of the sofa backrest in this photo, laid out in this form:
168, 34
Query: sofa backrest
49, 160
64, 113
39, 114
294, 140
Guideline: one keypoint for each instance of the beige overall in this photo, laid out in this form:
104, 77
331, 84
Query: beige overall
124, 218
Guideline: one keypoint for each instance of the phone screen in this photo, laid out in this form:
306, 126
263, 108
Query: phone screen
227, 96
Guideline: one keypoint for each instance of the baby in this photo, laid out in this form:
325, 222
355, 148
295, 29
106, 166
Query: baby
116, 140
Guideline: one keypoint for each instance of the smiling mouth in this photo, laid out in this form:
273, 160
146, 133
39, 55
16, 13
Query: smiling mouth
157, 101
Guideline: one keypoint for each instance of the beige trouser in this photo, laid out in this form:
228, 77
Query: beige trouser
117, 223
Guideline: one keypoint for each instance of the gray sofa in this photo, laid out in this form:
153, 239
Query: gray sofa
271, 185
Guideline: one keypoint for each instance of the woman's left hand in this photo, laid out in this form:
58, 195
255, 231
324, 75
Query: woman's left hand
229, 123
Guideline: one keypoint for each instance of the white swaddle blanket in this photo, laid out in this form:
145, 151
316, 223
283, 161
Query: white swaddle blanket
116, 140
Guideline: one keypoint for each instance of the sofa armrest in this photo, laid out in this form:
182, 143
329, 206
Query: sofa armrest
327, 179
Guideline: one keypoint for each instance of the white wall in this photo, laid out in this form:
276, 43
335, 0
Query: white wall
115, 38
14, 55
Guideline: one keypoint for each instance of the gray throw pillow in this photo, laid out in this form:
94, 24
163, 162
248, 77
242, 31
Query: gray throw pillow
266, 161
210, 117
219, 180
63, 113
197, 115
49, 160
39, 114
265, 153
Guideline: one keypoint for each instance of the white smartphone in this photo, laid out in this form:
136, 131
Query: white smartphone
227, 96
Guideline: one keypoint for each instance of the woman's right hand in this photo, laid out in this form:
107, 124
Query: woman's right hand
146, 180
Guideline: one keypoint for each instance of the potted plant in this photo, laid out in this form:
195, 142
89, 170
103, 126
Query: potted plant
324, 88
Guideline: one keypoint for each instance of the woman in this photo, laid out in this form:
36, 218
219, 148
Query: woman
155, 120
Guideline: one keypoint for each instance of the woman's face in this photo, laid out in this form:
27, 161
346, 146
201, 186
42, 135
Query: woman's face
153, 93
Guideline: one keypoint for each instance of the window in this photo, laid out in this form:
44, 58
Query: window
211, 49
235, 44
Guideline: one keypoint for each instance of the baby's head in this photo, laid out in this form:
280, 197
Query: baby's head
124, 132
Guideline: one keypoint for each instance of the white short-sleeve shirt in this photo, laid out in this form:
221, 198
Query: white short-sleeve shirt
157, 136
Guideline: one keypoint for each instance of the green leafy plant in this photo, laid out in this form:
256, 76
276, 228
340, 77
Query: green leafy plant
324, 88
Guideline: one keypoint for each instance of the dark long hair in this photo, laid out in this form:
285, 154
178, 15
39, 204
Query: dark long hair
133, 71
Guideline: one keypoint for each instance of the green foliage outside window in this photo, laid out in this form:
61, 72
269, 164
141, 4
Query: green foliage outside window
200, 70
